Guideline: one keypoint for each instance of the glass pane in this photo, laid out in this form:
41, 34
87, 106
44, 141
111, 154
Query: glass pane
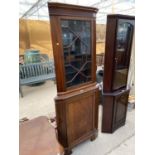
122, 55
124, 39
120, 78
76, 37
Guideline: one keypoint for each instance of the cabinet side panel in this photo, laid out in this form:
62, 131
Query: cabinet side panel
93, 48
107, 118
96, 108
61, 122
57, 52
109, 54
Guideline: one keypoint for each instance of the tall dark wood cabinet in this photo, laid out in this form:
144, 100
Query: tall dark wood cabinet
73, 31
119, 36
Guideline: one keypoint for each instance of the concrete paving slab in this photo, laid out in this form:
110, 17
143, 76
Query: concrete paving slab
105, 143
126, 147
37, 100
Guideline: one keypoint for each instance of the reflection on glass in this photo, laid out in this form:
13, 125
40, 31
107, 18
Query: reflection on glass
124, 39
123, 42
120, 78
77, 55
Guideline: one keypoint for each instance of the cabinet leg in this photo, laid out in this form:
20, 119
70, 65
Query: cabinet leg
68, 151
93, 137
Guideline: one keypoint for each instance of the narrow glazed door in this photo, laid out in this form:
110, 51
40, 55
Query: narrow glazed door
76, 39
122, 52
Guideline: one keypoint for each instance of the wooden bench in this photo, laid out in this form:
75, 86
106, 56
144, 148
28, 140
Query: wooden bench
33, 73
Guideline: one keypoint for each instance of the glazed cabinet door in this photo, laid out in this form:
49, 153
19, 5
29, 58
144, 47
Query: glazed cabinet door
122, 52
77, 51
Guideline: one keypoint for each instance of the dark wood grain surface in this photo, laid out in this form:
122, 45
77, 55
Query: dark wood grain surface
38, 137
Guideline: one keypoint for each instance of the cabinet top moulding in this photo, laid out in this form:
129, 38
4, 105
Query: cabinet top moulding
121, 16
61, 9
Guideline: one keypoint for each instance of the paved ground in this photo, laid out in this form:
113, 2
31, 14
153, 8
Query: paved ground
40, 101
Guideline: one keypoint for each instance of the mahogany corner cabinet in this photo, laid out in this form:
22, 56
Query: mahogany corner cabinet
119, 36
73, 31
